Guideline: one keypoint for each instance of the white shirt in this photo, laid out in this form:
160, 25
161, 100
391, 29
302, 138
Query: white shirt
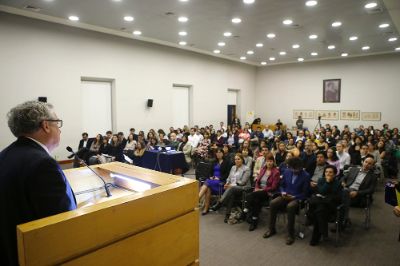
194, 140
268, 134
41, 145
344, 159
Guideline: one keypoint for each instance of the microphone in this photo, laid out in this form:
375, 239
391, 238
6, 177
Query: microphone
84, 163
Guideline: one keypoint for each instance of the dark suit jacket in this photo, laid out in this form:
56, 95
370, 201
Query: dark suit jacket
32, 186
367, 185
89, 142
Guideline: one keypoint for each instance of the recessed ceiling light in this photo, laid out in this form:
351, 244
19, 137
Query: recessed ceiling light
259, 45
353, 38
137, 32
183, 0
365, 48
314, 53
183, 19
250, 52
393, 39
336, 24
370, 5
221, 44
263, 63
73, 18
311, 3
182, 43
271, 35
287, 21
344, 54
236, 20
313, 36
248, 1
242, 58
300, 59
217, 51
128, 18
227, 34
295, 46
331, 47
182, 33
397, 49
272, 58
384, 25
282, 53
117, 0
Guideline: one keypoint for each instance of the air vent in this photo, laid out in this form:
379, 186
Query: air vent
236, 36
294, 26
376, 10
169, 13
32, 8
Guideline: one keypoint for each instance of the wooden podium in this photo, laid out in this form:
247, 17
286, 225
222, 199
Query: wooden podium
157, 226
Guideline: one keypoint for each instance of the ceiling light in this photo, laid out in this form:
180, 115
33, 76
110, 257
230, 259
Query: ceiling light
313, 36
353, 38
397, 49
311, 3
227, 34
242, 58
73, 18
287, 21
393, 39
295, 46
221, 44
217, 51
370, 5
259, 45
250, 52
137, 32
248, 1
271, 35
364, 48
344, 54
314, 54
282, 53
182, 43
384, 25
182, 33
331, 47
263, 63
272, 59
117, 0
336, 24
183, 19
183, 0
128, 18
236, 20
300, 59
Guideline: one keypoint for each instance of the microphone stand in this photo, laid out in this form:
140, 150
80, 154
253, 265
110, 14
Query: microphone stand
106, 188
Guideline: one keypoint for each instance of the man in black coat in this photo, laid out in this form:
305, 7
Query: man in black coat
32, 184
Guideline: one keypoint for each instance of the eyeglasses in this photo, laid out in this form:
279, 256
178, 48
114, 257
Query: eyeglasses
58, 121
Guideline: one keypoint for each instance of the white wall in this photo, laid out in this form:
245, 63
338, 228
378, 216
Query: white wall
369, 84
43, 59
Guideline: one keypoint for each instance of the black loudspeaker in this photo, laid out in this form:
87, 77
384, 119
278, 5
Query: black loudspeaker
42, 99
149, 102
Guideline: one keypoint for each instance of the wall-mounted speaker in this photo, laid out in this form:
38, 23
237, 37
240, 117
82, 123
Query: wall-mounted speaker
42, 99
149, 102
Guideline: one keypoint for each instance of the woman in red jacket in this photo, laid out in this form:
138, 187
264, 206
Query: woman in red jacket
266, 183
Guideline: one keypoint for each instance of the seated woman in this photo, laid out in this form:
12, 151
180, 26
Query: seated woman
323, 203
151, 144
333, 159
266, 183
115, 149
236, 183
202, 151
94, 149
248, 160
213, 185
138, 153
130, 146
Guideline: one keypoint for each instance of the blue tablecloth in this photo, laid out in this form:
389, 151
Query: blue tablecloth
166, 162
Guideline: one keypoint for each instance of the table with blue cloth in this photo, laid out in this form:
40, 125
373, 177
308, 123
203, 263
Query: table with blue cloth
167, 162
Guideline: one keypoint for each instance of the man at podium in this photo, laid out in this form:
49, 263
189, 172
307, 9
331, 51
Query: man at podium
32, 184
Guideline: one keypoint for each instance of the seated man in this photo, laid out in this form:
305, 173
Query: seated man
83, 149
358, 183
294, 187
319, 168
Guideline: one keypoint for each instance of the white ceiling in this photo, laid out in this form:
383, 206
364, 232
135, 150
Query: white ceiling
209, 19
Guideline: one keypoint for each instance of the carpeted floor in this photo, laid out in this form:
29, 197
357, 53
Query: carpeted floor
224, 244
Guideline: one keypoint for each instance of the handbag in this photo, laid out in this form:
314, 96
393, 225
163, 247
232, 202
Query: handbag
392, 195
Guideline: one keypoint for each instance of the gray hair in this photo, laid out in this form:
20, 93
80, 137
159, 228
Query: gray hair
25, 118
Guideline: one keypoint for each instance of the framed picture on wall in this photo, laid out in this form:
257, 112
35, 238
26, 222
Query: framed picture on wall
327, 114
331, 91
305, 114
349, 115
371, 116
